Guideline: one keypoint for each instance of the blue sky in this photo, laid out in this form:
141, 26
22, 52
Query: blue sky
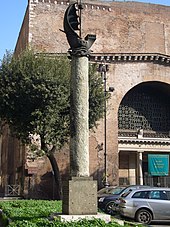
11, 16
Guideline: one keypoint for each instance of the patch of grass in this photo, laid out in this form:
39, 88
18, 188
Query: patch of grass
36, 213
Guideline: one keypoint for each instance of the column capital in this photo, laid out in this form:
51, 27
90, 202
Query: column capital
140, 151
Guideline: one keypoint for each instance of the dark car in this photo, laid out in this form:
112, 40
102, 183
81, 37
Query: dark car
109, 195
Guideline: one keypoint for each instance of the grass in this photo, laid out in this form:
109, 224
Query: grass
36, 213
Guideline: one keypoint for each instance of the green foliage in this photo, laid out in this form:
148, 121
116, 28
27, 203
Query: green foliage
96, 96
36, 213
57, 223
34, 97
29, 208
29, 211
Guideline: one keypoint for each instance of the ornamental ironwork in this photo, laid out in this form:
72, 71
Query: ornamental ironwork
144, 108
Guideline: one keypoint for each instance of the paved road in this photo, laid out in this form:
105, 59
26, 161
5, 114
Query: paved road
153, 224
160, 224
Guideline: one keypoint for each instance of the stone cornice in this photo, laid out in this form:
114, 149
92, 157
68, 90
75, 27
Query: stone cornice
130, 57
92, 6
155, 58
127, 140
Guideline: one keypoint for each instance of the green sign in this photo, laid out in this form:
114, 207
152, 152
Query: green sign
158, 165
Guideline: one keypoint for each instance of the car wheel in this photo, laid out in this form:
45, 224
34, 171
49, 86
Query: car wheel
144, 216
110, 208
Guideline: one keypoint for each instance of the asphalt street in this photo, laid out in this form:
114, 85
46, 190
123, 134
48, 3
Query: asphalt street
160, 224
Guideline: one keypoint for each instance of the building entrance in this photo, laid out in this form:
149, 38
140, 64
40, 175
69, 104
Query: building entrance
133, 168
143, 129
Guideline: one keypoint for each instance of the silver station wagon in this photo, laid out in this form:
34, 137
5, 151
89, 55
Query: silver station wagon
145, 205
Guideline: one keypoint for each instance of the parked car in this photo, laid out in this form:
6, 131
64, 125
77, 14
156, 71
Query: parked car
145, 205
106, 199
106, 191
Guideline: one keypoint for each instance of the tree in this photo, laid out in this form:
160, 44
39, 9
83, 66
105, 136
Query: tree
34, 99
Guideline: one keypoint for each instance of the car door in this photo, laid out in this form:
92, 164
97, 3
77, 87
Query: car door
160, 205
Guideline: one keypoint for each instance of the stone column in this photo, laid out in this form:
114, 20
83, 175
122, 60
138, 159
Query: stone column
79, 138
80, 191
132, 168
140, 167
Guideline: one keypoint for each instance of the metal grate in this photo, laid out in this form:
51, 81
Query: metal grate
12, 190
144, 109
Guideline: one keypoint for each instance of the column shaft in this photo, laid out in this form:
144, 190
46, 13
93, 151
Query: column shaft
79, 101
140, 168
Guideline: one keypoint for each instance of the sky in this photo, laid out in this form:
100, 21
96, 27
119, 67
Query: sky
11, 16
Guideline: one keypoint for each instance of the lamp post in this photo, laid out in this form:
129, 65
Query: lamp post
103, 69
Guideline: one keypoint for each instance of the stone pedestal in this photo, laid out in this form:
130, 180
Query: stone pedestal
80, 196
71, 218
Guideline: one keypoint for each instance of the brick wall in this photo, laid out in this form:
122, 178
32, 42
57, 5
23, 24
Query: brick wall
120, 27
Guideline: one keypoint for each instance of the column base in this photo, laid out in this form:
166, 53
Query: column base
79, 196
70, 218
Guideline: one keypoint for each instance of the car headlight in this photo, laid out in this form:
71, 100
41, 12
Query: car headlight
101, 199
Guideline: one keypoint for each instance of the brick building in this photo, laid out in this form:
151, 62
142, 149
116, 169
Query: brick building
134, 40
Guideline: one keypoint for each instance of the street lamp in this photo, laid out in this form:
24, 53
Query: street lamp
103, 69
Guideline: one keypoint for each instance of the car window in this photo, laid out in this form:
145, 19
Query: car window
158, 195
116, 191
109, 190
164, 195
140, 194
129, 189
168, 195
104, 190
154, 195
126, 193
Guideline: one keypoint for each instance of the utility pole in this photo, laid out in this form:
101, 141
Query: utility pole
103, 69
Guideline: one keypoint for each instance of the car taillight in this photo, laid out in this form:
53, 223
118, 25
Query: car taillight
122, 201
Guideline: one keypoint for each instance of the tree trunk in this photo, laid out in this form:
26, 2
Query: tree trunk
54, 165
56, 172
50, 154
